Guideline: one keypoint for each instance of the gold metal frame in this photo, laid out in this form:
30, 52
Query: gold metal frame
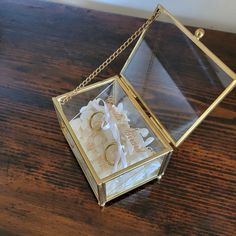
101, 182
195, 40
151, 120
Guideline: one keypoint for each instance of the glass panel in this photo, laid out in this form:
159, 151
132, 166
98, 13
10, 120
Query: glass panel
78, 156
175, 79
133, 179
95, 134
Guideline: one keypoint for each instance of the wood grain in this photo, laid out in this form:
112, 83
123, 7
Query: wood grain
47, 49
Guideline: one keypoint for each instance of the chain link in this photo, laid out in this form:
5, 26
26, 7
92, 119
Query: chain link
113, 56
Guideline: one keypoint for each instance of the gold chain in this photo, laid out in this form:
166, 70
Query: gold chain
113, 56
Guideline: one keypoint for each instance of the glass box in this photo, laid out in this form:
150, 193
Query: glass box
123, 130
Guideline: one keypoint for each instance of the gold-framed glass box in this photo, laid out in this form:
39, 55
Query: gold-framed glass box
168, 85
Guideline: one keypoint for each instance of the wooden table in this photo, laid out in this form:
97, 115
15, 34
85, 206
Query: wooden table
47, 49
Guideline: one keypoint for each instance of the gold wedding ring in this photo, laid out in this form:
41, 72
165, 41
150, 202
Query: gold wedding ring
96, 125
111, 163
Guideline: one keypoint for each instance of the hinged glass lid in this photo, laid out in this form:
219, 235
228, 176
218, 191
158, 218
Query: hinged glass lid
176, 77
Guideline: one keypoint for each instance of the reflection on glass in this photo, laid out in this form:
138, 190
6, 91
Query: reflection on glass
174, 77
133, 178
